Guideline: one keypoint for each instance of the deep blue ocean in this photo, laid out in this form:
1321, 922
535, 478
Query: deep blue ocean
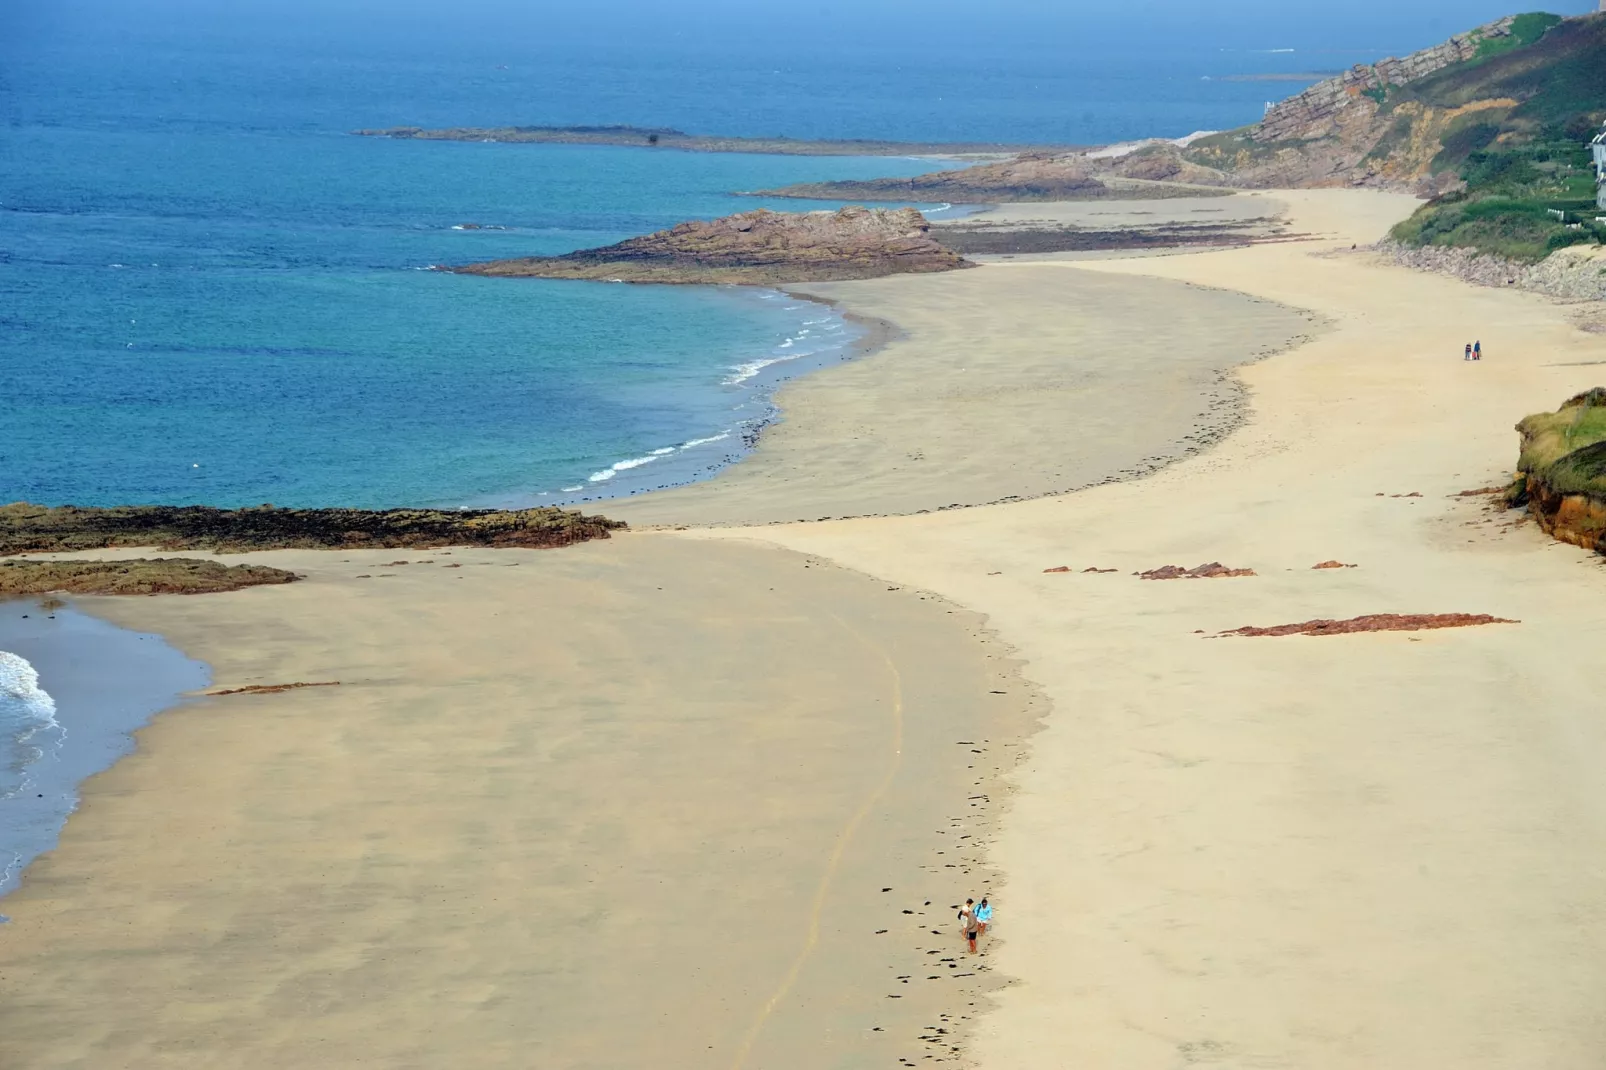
211, 293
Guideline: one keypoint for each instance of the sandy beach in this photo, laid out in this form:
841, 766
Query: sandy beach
634, 803
645, 802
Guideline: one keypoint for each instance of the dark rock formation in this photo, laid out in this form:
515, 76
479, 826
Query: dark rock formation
1033, 177
271, 689
28, 528
983, 238
139, 576
756, 248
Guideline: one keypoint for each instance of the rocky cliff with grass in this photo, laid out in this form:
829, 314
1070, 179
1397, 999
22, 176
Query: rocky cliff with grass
753, 248
1562, 470
1492, 125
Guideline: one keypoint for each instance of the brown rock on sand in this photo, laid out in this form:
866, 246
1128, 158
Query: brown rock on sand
1377, 622
1213, 571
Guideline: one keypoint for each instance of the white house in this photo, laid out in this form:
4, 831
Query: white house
1598, 147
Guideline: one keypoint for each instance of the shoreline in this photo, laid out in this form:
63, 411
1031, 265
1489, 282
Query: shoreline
863, 419
747, 431
810, 934
105, 683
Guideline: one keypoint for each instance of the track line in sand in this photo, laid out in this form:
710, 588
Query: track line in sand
834, 862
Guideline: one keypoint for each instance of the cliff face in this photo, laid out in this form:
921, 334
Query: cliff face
758, 248
1562, 477
1314, 113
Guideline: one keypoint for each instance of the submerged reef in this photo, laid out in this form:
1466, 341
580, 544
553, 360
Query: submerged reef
160, 575
26, 528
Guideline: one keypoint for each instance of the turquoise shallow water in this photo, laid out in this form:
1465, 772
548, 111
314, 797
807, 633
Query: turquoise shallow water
211, 293
239, 317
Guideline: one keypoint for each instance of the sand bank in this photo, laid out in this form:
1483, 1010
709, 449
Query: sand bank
1004, 385
643, 802
1344, 852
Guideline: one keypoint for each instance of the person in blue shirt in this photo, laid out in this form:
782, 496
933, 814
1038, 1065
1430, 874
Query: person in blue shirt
984, 914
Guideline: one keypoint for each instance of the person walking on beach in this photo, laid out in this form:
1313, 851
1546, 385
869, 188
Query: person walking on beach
984, 916
967, 918
1469, 352
1477, 350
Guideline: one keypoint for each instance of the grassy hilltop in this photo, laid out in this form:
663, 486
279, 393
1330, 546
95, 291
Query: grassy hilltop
1521, 152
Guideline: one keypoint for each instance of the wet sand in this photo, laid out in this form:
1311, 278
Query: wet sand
633, 803
1002, 386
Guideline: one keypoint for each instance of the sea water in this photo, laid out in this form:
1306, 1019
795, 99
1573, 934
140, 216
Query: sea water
73, 689
210, 292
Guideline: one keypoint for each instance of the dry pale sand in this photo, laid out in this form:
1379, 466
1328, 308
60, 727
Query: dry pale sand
995, 391
638, 803
1350, 852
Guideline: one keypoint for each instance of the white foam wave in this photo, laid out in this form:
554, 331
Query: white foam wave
722, 436
619, 466
26, 710
21, 698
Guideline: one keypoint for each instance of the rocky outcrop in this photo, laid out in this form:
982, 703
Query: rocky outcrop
1032, 177
139, 576
1579, 519
26, 528
1312, 113
1562, 470
754, 248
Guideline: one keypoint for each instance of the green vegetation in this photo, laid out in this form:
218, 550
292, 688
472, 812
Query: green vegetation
1529, 184
1566, 449
1554, 76
1525, 30
1522, 202
160, 575
28, 528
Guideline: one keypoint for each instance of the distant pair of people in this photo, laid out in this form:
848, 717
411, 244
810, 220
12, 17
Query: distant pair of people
975, 917
1474, 351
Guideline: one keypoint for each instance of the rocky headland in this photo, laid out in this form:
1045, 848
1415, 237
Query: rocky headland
753, 248
26, 528
1561, 475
